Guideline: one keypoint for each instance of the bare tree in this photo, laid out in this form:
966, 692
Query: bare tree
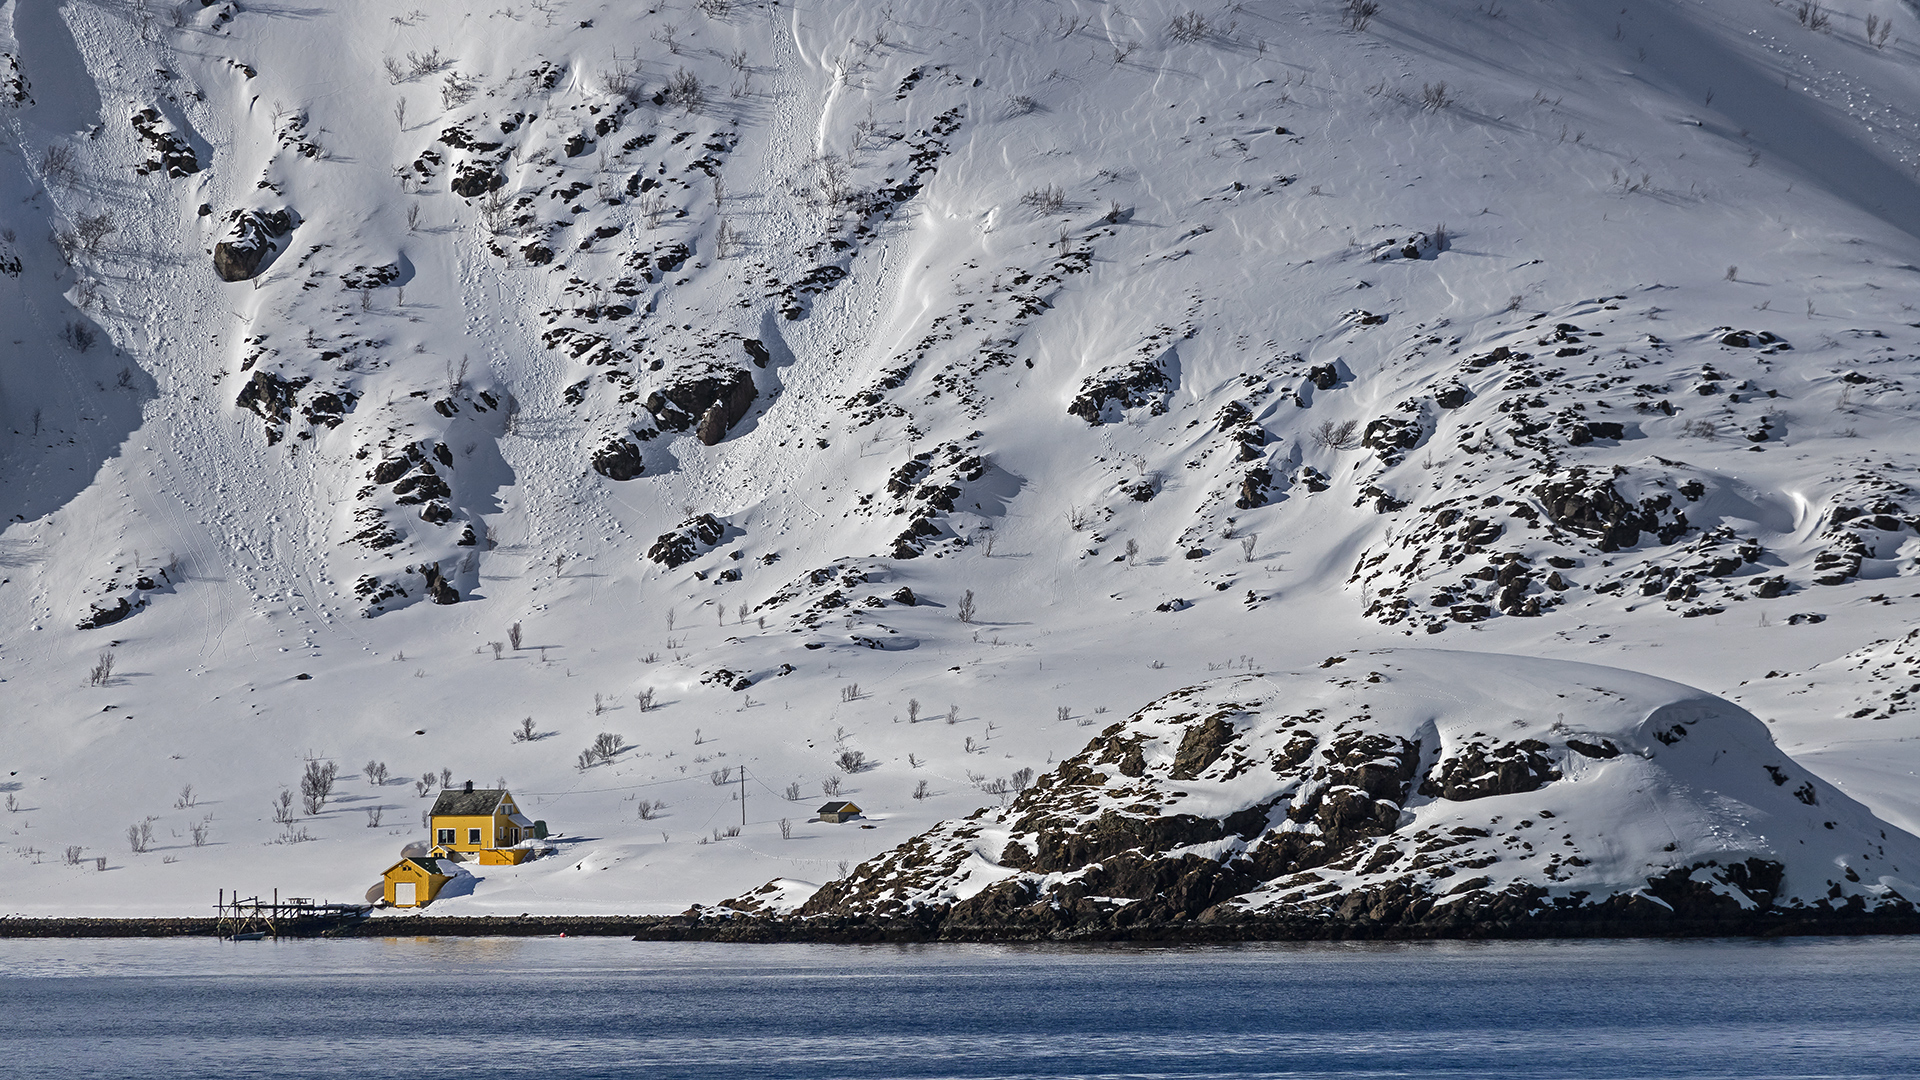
102, 669
1336, 436
376, 772
316, 783
525, 732
513, 636
966, 609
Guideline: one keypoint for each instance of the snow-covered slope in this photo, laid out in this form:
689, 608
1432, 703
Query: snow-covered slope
1406, 788
798, 362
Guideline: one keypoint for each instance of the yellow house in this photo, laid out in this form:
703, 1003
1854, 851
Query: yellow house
414, 882
483, 825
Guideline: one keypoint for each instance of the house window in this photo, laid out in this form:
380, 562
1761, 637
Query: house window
473, 836
443, 836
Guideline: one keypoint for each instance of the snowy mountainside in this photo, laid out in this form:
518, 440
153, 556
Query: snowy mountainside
1401, 787
736, 351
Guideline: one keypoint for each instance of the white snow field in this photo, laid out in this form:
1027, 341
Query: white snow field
1143, 346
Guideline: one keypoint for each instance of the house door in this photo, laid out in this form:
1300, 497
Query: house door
403, 893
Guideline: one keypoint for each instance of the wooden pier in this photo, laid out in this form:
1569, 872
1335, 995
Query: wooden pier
253, 918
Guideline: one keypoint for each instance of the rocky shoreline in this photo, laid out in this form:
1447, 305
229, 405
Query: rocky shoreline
938, 927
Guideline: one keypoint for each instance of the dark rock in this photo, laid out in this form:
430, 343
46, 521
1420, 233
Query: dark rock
1143, 384
757, 352
691, 399
1324, 377
1479, 769
251, 241
1201, 747
904, 595
439, 590
472, 179
106, 615
618, 459
683, 544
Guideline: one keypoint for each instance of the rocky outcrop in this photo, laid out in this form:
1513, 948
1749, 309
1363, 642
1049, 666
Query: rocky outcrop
711, 400
1142, 384
168, 153
252, 240
618, 459
684, 544
1398, 793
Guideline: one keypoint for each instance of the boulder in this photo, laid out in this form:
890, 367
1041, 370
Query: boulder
251, 242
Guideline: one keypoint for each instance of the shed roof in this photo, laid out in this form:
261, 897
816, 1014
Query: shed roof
430, 865
476, 803
838, 808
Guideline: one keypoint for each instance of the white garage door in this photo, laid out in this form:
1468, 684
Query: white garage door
403, 894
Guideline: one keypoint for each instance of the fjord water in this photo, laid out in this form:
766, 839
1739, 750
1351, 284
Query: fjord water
586, 1007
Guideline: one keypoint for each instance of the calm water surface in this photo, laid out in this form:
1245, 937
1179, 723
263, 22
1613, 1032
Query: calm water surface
593, 1007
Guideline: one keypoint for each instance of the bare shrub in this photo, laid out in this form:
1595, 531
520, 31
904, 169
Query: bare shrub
57, 164
1022, 779
721, 777
667, 34
685, 91
830, 786
920, 790
622, 80
187, 799
102, 669
850, 692
430, 62
965, 612
786, 829
650, 810
1046, 200
199, 830
140, 836
374, 814
424, 784
606, 746
715, 9
1878, 30
456, 91
525, 732
792, 794
73, 854
953, 714
851, 761
1813, 16
93, 228
396, 74
1434, 96
1187, 28
1361, 12
1332, 435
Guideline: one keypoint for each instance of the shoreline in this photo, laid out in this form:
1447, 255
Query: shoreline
752, 930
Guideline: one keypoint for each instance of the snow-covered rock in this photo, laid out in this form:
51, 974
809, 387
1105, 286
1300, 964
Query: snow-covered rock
1403, 791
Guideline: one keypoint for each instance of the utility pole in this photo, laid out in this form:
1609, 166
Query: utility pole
743, 796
